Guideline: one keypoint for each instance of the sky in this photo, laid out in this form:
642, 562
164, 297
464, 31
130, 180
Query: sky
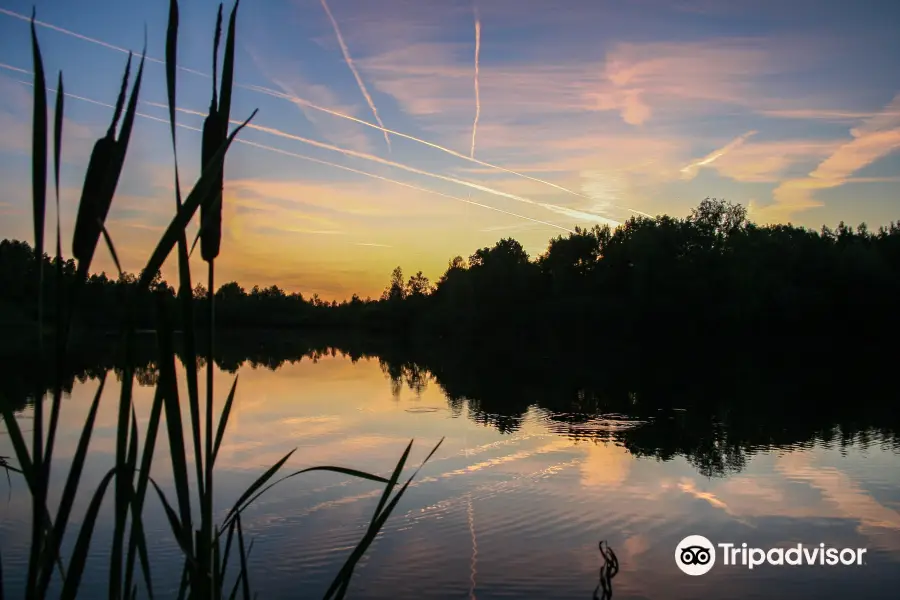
406, 132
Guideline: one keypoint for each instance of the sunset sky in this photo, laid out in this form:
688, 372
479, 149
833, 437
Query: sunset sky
576, 112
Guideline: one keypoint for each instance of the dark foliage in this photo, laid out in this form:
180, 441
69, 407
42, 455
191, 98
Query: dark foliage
711, 280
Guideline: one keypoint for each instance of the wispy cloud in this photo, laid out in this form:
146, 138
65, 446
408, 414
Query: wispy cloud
373, 245
299, 101
690, 171
877, 137
349, 60
477, 93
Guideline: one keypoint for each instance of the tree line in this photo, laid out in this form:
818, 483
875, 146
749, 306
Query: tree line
712, 277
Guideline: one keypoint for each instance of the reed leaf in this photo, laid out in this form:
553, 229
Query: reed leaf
342, 470
111, 246
260, 481
339, 586
67, 500
184, 269
137, 542
179, 529
187, 210
223, 420
60, 284
125, 477
82, 544
392, 482
223, 569
39, 166
39, 208
217, 37
172, 409
245, 573
18, 443
228, 65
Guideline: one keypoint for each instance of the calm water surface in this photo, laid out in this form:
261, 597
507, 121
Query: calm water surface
514, 514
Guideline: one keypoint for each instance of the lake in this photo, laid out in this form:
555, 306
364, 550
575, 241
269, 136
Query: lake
514, 503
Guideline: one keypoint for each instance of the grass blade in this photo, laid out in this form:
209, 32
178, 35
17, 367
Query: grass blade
183, 586
186, 212
393, 480
225, 556
245, 573
60, 284
67, 500
341, 582
215, 66
171, 63
342, 470
111, 246
125, 477
18, 442
179, 530
39, 169
39, 208
137, 541
228, 66
184, 269
260, 481
128, 121
172, 409
223, 420
82, 544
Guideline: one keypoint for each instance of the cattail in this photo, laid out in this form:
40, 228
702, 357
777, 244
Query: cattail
99, 184
93, 205
215, 131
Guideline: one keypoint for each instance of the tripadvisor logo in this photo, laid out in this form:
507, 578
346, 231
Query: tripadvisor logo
696, 555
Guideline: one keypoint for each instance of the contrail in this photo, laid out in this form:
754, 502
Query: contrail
477, 92
691, 170
308, 104
390, 163
307, 158
362, 86
85, 38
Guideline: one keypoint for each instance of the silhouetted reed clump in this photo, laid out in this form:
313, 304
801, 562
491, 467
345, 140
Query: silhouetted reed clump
214, 548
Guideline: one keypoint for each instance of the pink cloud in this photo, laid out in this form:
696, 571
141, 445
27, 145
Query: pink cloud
875, 138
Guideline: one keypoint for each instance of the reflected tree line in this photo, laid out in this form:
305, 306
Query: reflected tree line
714, 420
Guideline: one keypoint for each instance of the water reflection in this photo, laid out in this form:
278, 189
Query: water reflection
539, 463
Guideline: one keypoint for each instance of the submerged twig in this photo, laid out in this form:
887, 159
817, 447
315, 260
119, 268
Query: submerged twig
608, 570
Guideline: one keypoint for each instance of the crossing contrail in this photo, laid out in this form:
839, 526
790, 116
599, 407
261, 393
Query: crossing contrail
300, 156
390, 163
349, 60
313, 106
477, 91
